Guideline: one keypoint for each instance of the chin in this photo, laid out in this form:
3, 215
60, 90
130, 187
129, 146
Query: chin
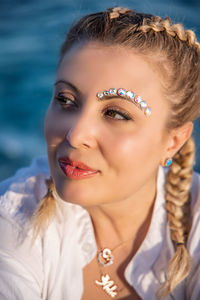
74, 195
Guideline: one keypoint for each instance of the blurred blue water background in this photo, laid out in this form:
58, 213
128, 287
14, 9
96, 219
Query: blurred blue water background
31, 32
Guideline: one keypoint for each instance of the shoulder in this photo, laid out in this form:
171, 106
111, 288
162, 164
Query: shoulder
195, 210
26, 263
193, 239
195, 192
38, 165
193, 244
20, 258
20, 194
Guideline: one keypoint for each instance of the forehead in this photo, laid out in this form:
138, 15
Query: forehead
94, 67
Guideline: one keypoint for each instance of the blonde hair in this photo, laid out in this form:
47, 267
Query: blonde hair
177, 195
179, 62
45, 210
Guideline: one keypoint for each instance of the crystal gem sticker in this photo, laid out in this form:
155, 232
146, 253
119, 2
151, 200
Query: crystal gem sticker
100, 95
106, 93
121, 92
113, 92
128, 95
138, 99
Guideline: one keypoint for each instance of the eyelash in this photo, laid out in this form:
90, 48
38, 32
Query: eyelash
119, 112
63, 100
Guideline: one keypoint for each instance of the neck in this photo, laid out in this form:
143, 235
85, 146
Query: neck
118, 222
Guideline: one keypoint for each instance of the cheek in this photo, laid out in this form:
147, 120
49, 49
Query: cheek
136, 150
54, 128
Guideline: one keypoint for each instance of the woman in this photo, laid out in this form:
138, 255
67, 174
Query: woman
114, 223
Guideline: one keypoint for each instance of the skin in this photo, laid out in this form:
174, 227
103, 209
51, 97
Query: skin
127, 154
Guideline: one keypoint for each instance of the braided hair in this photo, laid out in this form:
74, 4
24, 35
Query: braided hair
178, 62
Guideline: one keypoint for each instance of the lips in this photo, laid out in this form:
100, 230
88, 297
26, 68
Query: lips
75, 169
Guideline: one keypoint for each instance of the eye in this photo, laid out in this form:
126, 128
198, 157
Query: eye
65, 101
117, 114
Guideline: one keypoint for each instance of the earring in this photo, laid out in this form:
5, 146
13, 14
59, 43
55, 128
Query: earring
168, 162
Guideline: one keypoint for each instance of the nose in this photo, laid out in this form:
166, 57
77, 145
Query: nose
84, 130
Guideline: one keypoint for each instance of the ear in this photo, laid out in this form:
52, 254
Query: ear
176, 139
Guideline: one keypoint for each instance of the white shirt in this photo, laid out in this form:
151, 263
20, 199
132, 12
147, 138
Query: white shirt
50, 268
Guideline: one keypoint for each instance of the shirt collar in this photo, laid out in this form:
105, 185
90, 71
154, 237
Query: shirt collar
151, 246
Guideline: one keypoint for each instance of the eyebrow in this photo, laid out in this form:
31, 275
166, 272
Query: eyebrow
73, 87
107, 97
127, 95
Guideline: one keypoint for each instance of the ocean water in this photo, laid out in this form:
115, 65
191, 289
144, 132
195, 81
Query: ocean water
31, 33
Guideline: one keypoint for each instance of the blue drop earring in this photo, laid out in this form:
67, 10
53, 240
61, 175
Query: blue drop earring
168, 162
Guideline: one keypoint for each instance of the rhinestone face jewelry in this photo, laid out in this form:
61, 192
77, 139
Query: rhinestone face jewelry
100, 95
121, 92
106, 93
113, 92
138, 99
129, 95
143, 104
147, 111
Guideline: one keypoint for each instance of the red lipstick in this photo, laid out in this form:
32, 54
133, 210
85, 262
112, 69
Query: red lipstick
75, 169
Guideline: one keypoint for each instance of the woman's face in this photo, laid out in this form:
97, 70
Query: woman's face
124, 146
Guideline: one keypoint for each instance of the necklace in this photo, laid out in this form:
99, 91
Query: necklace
105, 258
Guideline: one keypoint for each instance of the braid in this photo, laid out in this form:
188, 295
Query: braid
173, 30
157, 24
178, 208
45, 210
117, 11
